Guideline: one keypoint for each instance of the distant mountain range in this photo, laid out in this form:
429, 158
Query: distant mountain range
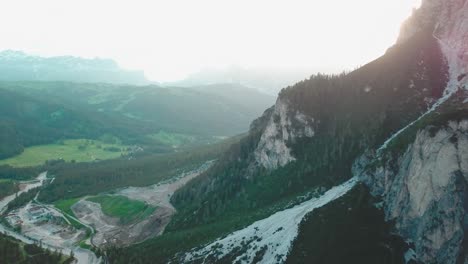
266, 80
19, 66
96, 96
33, 113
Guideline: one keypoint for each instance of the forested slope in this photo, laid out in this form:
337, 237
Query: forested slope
27, 121
308, 141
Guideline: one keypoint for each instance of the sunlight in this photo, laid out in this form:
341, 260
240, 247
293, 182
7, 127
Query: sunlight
170, 39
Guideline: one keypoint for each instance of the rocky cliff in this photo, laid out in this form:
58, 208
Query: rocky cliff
319, 126
399, 123
424, 191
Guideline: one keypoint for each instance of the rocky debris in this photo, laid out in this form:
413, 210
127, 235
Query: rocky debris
265, 241
110, 231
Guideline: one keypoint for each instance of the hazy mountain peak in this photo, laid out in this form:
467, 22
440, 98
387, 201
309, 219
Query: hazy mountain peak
12, 54
264, 79
20, 66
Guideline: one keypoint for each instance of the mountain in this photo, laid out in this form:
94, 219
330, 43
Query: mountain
266, 80
27, 121
215, 110
365, 167
19, 66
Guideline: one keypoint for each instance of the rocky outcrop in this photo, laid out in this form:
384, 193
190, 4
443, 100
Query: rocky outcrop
448, 20
425, 191
284, 126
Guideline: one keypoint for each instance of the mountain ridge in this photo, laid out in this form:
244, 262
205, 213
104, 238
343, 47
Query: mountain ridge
321, 126
20, 66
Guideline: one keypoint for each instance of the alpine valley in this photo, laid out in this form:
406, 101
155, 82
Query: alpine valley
366, 167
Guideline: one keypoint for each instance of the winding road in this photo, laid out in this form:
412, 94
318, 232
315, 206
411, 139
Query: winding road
82, 256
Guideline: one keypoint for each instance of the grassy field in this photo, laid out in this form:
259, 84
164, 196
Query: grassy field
125, 209
5, 180
65, 205
79, 150
172, 139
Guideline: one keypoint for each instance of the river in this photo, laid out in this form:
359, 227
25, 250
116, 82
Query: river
82, 256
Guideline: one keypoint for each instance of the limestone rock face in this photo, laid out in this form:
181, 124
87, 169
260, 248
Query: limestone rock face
425, 192
284, 126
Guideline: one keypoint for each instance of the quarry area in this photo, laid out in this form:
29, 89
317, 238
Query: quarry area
121, 229
45, 225
119, 218
41, 223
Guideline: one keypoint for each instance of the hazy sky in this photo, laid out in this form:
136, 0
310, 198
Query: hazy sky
170, 39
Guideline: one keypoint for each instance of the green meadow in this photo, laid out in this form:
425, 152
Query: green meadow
79, 150
65, 205
172, 139
125, 209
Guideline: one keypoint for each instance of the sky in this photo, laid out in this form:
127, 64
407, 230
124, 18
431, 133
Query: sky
173, 38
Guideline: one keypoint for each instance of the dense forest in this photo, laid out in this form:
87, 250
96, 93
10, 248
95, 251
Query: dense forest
35, 113
7, 187
215, 110
78, 179
22, 199
20, 174
356, 111
354, 231
13, 251
10, 176
353, 111
27, 121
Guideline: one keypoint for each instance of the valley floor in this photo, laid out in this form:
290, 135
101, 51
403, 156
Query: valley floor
111, 230
78, 150
44, 225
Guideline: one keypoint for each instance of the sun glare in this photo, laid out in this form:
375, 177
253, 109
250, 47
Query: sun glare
170, 39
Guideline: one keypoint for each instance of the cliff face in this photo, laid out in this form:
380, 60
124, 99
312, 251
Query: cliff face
272, 150
424, 191
318, 127
410, 106
365, 107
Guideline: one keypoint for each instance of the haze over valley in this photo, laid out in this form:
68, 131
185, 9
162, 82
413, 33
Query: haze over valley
234, 132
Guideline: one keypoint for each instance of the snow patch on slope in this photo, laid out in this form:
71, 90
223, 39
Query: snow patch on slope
267, 240
283, 127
